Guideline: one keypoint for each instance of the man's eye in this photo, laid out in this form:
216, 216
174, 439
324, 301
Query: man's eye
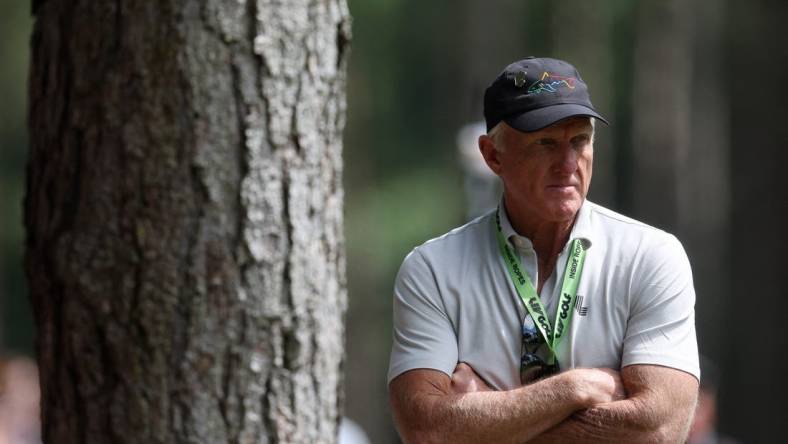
546, 142
580, 140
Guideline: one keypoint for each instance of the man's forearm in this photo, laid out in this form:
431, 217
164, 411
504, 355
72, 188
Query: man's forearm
505, 416
620, 421
509, 416
647, 416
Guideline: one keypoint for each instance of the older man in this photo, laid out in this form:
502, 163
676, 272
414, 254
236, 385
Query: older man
551, 318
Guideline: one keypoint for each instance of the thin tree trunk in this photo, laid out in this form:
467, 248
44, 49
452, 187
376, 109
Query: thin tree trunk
704, 180
185, 252
661, 110
681, 169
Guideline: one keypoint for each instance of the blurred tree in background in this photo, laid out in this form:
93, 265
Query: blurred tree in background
16, 322
696, 146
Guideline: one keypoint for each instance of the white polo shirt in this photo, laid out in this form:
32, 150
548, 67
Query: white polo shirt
454, 300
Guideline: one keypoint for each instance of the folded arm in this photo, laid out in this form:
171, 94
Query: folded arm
658, 408
428, 407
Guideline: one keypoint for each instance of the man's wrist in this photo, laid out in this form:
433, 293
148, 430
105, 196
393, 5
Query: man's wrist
577, 389
568, 387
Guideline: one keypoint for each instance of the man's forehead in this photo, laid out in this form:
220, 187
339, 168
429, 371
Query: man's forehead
575, 121
573, 124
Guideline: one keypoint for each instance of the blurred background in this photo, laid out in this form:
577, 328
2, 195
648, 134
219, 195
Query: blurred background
694, 92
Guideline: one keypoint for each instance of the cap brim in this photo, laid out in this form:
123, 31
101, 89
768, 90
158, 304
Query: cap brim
544, 117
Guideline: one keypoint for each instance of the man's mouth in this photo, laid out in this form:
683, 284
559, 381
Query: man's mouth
562, 186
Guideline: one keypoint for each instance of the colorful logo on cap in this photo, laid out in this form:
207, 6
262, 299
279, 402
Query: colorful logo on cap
551, 83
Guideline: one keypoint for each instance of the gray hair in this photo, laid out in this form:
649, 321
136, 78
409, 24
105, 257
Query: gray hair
497, 135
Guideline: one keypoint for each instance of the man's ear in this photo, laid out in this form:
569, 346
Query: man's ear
491, 155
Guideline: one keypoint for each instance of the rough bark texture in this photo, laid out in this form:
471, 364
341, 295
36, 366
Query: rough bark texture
185, 253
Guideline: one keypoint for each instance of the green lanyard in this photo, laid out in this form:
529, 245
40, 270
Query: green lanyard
563, 317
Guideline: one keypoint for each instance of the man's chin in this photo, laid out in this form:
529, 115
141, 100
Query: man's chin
565, 211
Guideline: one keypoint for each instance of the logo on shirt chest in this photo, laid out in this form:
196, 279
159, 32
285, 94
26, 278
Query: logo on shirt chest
581, 311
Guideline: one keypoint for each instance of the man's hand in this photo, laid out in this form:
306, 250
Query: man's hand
600, 385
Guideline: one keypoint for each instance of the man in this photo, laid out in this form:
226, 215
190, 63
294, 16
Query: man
550, 319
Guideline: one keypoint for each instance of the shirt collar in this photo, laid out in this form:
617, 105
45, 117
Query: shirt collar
582, 228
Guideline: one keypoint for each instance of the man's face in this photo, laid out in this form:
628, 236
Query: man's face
547, 172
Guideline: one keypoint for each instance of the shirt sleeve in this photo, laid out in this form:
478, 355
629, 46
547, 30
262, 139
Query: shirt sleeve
423, 333
661, 327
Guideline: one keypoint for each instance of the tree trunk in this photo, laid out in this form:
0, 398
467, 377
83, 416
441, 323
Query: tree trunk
752, 405
681, 168
661, 111
185, 253
704, 205
681, 151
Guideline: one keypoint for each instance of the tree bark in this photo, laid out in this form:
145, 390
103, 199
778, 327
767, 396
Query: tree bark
185, 253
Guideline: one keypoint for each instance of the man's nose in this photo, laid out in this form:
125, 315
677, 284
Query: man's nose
567, 158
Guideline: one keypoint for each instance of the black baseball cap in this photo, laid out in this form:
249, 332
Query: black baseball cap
534, 93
